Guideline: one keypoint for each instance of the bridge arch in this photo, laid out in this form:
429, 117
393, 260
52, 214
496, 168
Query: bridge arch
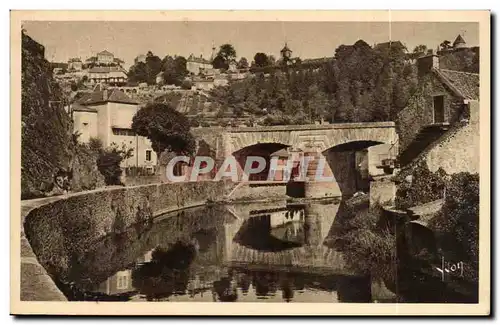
240, 140
264, 150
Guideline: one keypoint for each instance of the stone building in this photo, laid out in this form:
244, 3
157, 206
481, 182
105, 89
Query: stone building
195, 65
113, 75
439, 138
441, 102
75, 64
107, 114
105, 57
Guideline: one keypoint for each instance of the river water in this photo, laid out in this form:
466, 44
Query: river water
274, 252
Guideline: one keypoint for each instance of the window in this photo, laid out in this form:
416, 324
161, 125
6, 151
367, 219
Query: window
439, 109
122, 280
123, 132
148, 155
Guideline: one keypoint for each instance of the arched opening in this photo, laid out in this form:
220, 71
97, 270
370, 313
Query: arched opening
351, 164
266, 151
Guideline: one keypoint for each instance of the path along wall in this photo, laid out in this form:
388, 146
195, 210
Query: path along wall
58, 232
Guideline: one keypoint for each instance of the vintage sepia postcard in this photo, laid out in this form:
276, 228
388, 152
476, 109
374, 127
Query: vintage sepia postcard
250, 163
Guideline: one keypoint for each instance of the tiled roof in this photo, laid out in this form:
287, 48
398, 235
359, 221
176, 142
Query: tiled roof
195, 59
77, 107
104, 53
286, 48
318, 60
464, 84
459, 40
106, 69
104, 96
394, 44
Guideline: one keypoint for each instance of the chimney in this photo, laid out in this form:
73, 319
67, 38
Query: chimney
426, 63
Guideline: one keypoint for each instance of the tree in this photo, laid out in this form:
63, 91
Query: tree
166, 128
227, 52
243, 63
174, 69
220, 63
138, 73
109, 162
261, 60
445, 45
153, 67
420, 49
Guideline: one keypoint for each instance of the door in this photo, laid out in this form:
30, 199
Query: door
438, 109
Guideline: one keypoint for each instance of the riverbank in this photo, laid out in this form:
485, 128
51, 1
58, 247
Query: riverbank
55, 229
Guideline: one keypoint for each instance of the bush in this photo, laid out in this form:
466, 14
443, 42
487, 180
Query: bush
458, 222
368, 244
109, 162
425, 187
186, 84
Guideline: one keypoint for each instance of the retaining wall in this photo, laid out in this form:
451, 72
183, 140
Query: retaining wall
58, 230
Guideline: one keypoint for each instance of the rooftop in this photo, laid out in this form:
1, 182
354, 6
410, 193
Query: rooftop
103, 96
463, 84
195, 59
104, 53
106, 69
458, 40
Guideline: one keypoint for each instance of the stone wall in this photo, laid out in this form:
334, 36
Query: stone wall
458, 151
258, 192
63, 230
419, 112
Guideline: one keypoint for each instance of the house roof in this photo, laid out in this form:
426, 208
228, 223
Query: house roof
77, 107
195, 59
459, 40
103, 96
104, 53
106, 69
318, 60
463, 84
388, 45
285, 48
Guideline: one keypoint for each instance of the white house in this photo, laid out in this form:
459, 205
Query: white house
107, 114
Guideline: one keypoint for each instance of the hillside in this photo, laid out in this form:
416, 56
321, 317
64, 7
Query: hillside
46, 132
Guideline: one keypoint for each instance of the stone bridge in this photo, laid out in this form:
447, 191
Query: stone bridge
317, 137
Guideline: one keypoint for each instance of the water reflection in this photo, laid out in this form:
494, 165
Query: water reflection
225, 254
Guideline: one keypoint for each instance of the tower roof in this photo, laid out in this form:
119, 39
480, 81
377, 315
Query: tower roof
459, 40
286, 48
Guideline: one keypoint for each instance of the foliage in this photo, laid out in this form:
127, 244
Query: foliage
424, 187
226, 54
362, 84
368, 245
187, 84
174, 70
458, 221
243, 63
165, 127
220, 63
261, 59
109, 162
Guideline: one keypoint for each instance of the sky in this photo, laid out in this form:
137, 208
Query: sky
126, 40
